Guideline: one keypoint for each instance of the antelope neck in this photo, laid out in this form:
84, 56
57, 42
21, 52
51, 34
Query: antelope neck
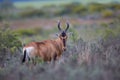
62, 41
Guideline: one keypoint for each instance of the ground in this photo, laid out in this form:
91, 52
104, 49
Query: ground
49, 23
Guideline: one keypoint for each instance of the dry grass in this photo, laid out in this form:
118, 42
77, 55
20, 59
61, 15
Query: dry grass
86, 61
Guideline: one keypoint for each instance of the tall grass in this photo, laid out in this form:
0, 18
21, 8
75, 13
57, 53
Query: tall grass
86, 60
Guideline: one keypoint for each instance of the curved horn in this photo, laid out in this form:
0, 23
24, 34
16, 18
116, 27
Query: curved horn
67, 26
59, 26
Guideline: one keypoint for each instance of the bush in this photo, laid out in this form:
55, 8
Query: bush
95, 7
110, 30
75, 35
28, 32
107, 13
79, 9
9, 43
8, 39
31, 13
114, 6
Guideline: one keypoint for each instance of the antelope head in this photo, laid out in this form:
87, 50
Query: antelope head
63, 34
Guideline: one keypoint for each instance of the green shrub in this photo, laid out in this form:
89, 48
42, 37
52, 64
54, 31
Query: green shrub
27, 32
75, 35
95, 7
114, 6
108, 33
107, 13
79, 9
8, 39
31, 13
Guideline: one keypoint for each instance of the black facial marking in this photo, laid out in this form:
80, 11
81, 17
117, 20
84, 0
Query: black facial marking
64, 42
63, 34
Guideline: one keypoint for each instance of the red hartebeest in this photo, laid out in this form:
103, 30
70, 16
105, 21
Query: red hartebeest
47, 50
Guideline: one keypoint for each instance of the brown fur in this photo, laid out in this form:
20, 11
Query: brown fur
48, 49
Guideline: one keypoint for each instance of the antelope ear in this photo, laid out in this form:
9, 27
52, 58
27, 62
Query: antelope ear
70, 33
57, 34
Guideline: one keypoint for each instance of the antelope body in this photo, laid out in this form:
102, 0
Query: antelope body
47, 50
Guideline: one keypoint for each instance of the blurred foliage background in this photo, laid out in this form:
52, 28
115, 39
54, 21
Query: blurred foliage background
93, 45
10, 10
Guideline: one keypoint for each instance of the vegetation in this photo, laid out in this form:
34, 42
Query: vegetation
8, 39
9, 43
107, 10
107, 13
97, 59
26, 32
92, 49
